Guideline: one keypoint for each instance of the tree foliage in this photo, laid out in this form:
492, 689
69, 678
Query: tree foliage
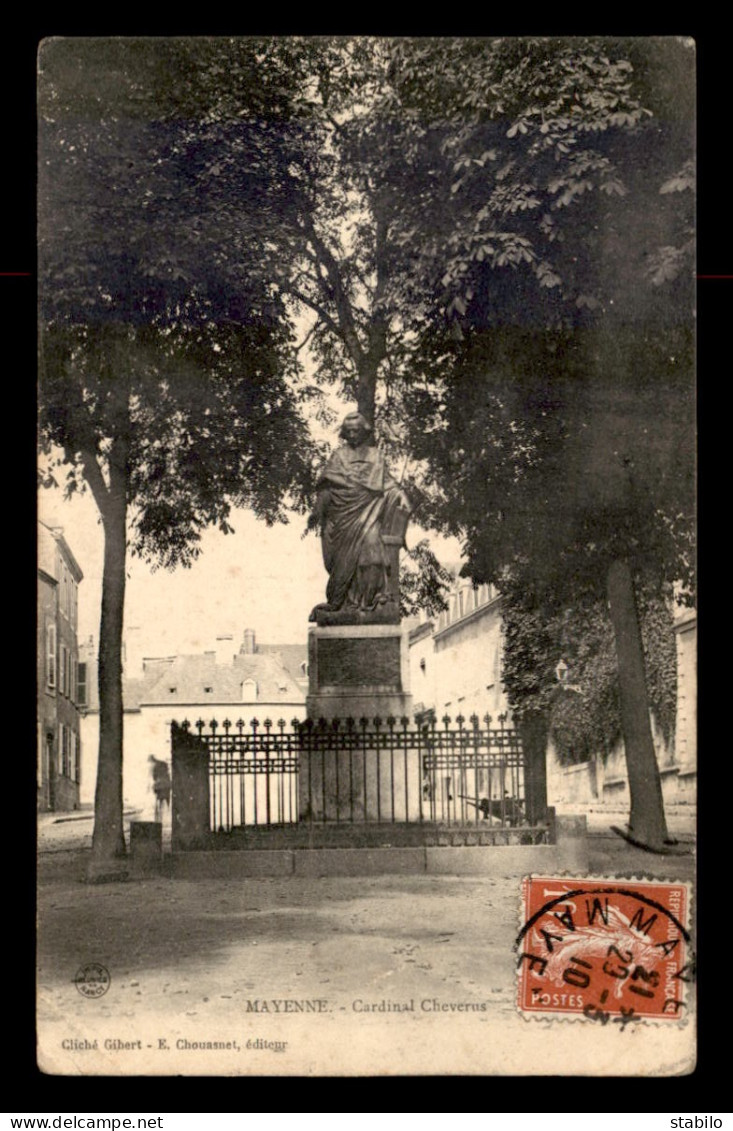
424, 582
552, 404
153, 322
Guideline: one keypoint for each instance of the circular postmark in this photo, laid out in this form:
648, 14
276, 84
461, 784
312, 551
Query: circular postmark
607, 950
92, 980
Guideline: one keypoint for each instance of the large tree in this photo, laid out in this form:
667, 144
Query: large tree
555, 411
166, 361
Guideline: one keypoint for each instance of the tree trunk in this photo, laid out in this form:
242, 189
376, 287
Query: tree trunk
647, 825
108, 842
367, 367
533, 727
365, 402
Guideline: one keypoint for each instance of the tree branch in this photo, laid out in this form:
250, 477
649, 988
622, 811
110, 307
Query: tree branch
307, 338
323, 314
345, 314
378, 323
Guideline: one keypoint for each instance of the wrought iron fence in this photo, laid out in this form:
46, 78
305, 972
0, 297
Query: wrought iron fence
357, 771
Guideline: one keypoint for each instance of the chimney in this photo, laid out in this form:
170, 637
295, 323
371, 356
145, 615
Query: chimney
248, 647
225, 649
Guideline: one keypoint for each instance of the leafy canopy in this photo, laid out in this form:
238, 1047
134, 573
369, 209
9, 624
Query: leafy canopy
159, 336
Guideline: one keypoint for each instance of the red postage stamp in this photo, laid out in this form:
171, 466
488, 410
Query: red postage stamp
607, 949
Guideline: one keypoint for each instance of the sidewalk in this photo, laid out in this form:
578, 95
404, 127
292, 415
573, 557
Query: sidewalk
72, 831
681, 818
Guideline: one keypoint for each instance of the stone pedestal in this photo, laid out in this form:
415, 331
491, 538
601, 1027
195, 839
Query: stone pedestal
358, 671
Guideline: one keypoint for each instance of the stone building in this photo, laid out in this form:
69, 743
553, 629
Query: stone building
58, 720
257, 680
455, 660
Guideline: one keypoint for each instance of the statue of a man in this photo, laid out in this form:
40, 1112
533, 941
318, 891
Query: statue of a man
362, 513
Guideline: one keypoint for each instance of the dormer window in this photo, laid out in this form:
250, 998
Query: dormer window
208, 690
249, 691
172, 690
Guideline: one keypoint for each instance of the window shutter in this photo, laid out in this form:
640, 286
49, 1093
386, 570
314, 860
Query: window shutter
51, 655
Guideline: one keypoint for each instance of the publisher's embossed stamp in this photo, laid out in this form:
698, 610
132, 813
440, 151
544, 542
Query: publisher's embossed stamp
92, 980
604, 949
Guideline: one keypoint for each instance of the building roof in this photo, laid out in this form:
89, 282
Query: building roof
199, 680
57, 533
419, 631
133, 691
293, 657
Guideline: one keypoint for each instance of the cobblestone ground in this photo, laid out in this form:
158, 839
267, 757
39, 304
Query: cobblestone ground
190, 960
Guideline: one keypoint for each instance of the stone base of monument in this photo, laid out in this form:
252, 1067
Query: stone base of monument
358, 672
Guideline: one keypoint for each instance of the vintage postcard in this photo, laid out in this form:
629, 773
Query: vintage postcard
366, 708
